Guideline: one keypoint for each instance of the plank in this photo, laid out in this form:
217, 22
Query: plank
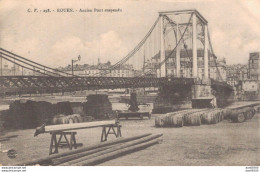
77, 126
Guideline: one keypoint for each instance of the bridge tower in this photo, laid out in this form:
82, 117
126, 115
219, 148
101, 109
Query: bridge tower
191, 54
190, 29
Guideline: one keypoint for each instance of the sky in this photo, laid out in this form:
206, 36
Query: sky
54, 39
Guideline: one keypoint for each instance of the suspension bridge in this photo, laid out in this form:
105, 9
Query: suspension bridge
176, 53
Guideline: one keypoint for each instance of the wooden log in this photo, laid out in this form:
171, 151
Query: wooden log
11, 136
67, 158
115, 154
103, 144
125, 145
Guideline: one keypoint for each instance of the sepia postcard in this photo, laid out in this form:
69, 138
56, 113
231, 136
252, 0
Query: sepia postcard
130, 83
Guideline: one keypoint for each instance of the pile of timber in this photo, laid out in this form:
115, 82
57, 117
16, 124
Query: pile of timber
192, 117
96, 154
30, 114
77, 108
62, 108
98, 106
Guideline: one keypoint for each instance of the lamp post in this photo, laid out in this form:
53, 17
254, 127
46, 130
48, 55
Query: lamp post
72, 62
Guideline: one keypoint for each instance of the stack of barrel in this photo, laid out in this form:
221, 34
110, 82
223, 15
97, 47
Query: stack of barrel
97, 106
192, 117
69, 119
196, 117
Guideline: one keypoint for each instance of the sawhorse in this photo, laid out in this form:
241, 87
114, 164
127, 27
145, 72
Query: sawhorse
114, 129
106, 132
55, 144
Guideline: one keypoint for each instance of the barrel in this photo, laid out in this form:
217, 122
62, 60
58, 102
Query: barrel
176, 120
192, 119
63, 120
256, 108
238, 115
167, 120
226, 113
249, 112
70, 119
159, 121
56, 119
209, 117
77, 118
219, 115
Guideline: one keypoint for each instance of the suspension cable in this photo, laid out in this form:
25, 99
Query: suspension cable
46, 67
26, 67
214, 56
26, 63
177, 44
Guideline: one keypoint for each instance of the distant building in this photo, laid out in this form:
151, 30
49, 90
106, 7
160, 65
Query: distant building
12, 70
254, 66
216, 67
236, 73
101, 69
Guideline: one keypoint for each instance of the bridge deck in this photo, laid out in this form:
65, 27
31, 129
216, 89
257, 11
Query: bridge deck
10, 85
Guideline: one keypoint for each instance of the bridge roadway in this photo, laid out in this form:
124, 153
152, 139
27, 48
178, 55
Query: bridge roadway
16, 85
